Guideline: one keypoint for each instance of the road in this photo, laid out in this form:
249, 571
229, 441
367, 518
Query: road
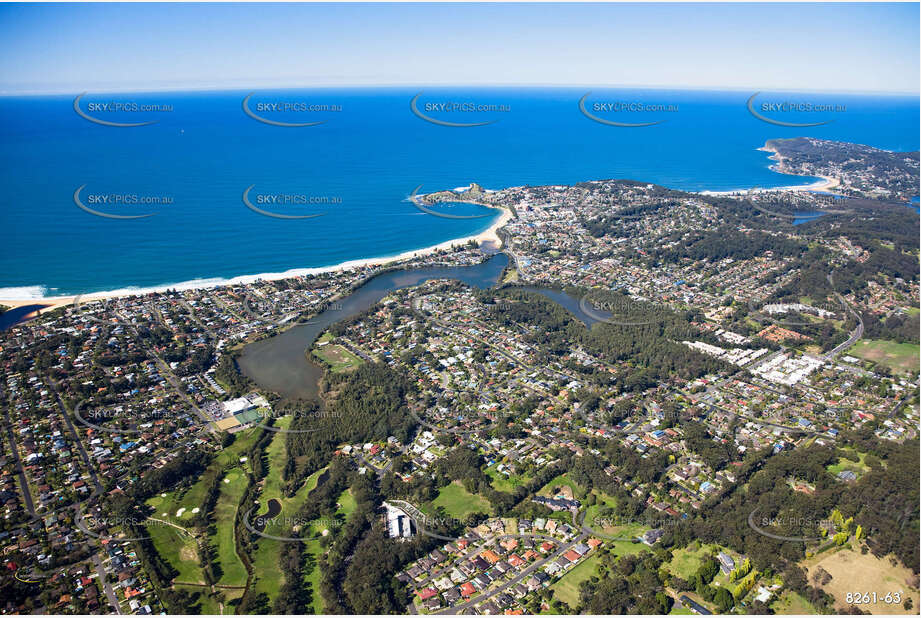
73, 432
515, 580
858, 332
106, 586
172, 379
17, 463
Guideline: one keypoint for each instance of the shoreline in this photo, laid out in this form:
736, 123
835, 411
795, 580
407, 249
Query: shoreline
825, 184
488, 237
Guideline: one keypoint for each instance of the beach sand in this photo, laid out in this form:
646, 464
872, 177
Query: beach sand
826, 184
488, 238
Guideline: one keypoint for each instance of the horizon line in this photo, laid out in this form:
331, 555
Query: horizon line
177, 88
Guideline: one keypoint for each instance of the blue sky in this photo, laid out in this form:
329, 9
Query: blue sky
815, 47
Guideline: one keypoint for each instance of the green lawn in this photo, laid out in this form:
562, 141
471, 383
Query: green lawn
458, 502
623, 548
792, 603
600, 516
687, 560
578, 492
567, 588
312, 575
857, 467
347, 504
902, 357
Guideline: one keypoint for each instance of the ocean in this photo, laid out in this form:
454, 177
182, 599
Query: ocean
356, 169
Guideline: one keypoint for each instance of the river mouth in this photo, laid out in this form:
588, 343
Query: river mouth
282, 363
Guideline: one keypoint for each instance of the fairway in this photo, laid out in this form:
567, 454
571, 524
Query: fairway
347, 504
185, 500
233, 571
207, 603
901, 357
269, 577
179, 549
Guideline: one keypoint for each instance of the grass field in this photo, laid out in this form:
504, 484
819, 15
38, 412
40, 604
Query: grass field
225, 510
567, 588
687, 560
792, 603
561, 482
337, 357
854, 572
623, 548
312, 575
599, 516
902, 357
458, 503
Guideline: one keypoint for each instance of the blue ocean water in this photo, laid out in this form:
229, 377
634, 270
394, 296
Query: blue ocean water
361, 164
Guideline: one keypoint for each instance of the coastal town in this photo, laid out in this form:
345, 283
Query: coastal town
641, 357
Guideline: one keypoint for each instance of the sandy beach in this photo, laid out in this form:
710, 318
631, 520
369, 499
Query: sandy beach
826, 184
488, 237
